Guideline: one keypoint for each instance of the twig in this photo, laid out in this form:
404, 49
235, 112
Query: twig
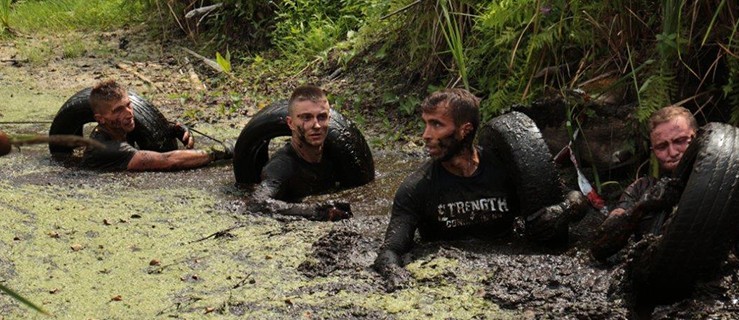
62, 140
219, 233
139, 75
25, 122
14, 60
194, 79
208, 62
202, 10
400, 10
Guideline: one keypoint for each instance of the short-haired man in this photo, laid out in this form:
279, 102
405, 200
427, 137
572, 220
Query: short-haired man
114, 114
299, 168
670, 131
462, 191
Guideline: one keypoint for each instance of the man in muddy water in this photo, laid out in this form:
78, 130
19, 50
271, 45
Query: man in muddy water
671, 130
462, 191
299, 169
114, 114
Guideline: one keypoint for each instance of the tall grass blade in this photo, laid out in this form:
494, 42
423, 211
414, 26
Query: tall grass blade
453, 36
22, 300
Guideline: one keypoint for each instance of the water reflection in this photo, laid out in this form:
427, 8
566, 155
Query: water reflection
376, 197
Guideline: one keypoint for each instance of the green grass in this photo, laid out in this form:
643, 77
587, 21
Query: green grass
63, 15
37, 53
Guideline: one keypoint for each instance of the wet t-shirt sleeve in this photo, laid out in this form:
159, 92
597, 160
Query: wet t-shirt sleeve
275, 177
635, 191
114, 157
404, 217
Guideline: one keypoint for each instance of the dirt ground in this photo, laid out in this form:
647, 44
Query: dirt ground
88, 245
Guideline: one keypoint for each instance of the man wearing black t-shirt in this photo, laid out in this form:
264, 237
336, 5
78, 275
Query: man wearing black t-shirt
113, 111
462, 191
299, 168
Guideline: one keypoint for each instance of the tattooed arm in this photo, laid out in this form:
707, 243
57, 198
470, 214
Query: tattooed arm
173, 160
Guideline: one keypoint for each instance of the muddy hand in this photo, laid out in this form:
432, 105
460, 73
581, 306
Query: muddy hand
663, 195
225, 154
333, 211
181, 132
613, 234
552, 221
397, 278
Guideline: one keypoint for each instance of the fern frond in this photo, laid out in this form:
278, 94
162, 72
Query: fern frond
654, 94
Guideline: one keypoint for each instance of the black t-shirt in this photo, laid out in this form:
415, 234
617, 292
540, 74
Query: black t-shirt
445, 206
115, 156
289, 178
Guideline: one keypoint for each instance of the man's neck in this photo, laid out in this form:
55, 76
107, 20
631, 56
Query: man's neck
115, 134
307, 152
463, 164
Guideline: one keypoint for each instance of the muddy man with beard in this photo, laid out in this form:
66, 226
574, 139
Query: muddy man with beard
299, 168
463, 191
114, 114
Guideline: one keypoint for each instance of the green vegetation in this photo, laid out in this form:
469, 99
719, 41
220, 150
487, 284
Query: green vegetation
32, 16
505, 51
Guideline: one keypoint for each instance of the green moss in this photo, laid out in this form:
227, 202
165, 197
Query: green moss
18, 103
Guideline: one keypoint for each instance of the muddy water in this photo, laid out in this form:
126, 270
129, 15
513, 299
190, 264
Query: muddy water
123, 245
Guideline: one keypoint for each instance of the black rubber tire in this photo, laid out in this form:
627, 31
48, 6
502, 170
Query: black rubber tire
151, 132
697, 237
345, 145
515, 138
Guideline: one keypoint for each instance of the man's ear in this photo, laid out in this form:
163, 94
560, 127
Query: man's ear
290, 123
99, 118
466, 129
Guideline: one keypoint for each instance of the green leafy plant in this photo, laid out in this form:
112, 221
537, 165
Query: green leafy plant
224, 62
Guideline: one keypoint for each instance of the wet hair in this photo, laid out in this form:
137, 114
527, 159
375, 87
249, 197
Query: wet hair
671, 112
463, 106
305, 93
105, 91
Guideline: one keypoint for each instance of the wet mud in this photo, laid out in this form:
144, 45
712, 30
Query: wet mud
90, 245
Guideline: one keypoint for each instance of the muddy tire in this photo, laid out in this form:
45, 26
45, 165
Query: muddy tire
519, 143
151, 132
345, 146
697, 237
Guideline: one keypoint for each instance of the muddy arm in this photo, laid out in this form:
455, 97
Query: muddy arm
263, 200
614, 232
398, 239
173, 160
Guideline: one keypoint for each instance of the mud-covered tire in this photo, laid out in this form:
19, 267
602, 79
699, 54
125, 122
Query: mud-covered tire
150, 133
697, 237
345, 146
515, 138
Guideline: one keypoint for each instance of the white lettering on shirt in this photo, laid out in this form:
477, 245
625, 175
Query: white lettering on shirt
463, 213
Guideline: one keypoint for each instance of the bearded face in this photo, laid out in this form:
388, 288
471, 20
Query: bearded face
442, 137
